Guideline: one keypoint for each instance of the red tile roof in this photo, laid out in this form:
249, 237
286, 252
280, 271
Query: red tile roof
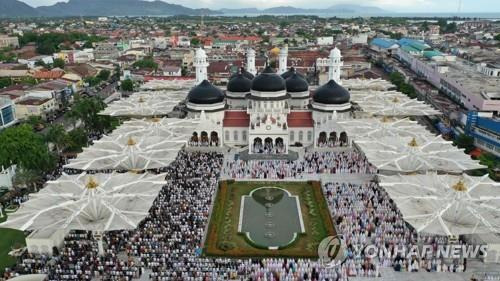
48, 74
236, 119
300, 119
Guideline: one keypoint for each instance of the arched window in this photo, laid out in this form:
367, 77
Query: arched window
309, 136
235, 135
244, 135
301, 135
292, 136
226, 135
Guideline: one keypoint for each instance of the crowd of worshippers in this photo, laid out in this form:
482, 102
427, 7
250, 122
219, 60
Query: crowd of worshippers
329, 162
365, 215
269, 148
167, 244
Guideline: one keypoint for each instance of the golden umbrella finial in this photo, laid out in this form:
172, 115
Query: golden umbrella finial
413, 143
155, 120
385, 119
141, 99
131, 141
459, 186
91, 183
395, 100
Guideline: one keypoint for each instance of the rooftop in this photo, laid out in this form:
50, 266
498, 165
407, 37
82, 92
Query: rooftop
33, 101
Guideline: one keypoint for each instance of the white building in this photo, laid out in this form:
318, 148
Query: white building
324, 41
271, 112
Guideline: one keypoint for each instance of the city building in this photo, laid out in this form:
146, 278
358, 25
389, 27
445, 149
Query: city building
7, 112
9, 41
485, 129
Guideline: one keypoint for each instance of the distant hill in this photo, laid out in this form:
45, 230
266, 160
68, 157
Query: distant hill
15, 8
340, 8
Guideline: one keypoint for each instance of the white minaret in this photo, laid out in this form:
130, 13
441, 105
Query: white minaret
251, 61
283, 57
201, 65
335, 64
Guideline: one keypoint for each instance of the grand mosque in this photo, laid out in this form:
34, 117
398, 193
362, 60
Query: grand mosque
269, 111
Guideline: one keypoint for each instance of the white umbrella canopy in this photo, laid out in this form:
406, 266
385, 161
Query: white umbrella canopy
446, 204
175, 84
375, 128
391, 103
144, 104
367, 84
99, 202
407, 155
127, 153
170, 128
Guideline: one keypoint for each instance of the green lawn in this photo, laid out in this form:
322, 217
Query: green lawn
223, 238
9, 238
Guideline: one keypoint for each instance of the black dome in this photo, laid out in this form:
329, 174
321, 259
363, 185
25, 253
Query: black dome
331, 93
205, 93
296, 84
245, 73
239, 84
290, 72
268, 81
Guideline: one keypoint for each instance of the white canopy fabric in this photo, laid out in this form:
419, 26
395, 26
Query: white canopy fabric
175, 84
170, 128
406, 154
376, 128
391, 103
99, 202
446, 204
367, 84
127, 153
146, 104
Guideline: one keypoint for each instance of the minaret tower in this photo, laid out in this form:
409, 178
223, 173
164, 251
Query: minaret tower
335, 64
201, 65
283, 59
251, 61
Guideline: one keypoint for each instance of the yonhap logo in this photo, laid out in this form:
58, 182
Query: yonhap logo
331, 251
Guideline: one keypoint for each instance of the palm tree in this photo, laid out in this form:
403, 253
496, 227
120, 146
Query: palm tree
26, 179
57, 136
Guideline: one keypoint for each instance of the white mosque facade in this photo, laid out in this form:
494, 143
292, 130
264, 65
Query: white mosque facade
271, 111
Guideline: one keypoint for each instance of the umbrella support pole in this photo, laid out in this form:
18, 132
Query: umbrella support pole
100, 243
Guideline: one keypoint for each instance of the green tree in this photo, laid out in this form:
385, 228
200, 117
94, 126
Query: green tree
104, 75
35, 122
492, 162
22, 146
146, 63
56, 134
87, 110
464, 141
127, 85
28, 179
77, 139
5, 82
497, 37
59, 63
93, 81
195, 42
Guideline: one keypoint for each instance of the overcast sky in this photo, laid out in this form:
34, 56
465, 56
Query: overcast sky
391, 5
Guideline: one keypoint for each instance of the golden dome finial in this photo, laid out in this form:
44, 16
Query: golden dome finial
91, 183
413, 143
131, 141
141, 99
155, 120
385, 119
395, 100
459, 186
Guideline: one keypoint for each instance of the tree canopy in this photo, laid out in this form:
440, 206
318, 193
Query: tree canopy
146, 63
127, 85
22, 146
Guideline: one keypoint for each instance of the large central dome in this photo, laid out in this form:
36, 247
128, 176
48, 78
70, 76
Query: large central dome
331, 93
268, 81
205, 93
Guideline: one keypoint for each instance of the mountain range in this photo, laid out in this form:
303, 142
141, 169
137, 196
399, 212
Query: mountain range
16, 8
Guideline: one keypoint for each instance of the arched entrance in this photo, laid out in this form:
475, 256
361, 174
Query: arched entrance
204, 138
194, 139
257, 145
214, 139
280, 145
322, 139
332, 141
268, 145
343, 139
